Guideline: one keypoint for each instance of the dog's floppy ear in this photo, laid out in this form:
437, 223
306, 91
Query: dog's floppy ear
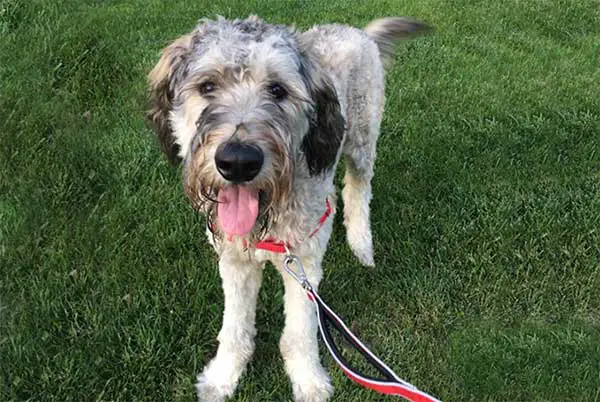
322, 142
161, 94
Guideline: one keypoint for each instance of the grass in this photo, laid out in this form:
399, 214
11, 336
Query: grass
486, 209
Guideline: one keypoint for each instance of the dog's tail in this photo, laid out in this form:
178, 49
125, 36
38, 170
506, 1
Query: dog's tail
386, 31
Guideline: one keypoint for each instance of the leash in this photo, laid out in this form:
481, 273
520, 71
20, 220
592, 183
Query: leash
391, 383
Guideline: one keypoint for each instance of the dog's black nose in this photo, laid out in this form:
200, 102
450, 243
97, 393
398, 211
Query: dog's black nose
238, 162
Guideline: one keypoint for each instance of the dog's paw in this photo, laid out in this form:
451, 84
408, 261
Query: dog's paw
208, 392
365, 257
316, 388
361, 245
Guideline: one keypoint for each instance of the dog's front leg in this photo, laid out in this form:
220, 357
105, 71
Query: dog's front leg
298, 344
241, 282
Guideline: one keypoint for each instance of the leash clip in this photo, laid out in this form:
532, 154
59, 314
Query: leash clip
299, 275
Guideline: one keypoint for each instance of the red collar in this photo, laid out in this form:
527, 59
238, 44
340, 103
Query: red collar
280, 247
275, 246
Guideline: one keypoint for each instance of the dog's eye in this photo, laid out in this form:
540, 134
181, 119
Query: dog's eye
277, 91
207, 87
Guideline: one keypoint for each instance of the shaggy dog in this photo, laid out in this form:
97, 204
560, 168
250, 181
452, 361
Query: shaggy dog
260, 115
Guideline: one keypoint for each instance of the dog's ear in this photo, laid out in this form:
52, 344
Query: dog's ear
326, 131
161, 80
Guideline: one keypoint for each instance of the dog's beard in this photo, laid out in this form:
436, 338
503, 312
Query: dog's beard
242, 210
211, 205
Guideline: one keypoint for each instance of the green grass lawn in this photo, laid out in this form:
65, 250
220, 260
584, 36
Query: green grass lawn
486, 209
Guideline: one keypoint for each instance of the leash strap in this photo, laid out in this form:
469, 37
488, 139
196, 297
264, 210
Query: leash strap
390, 384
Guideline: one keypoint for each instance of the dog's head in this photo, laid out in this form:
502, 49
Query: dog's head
247, 109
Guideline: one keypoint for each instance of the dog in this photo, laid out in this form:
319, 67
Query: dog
259, 116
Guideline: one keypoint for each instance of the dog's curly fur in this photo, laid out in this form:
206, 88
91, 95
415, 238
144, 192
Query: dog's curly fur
333, 81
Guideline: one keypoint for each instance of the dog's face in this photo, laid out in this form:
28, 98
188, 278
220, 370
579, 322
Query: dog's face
246, 108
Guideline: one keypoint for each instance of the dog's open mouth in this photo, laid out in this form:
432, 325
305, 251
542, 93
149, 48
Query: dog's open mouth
238, 208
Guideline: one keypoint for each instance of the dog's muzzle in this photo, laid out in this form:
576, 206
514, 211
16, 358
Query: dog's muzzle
238, 162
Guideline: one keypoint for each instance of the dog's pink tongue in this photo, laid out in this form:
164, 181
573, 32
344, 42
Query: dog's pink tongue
237, 210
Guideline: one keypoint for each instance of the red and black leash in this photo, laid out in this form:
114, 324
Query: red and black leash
391, 383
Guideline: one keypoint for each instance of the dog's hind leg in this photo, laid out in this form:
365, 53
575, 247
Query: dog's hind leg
365, 98
241, 283
359, 156
357, 196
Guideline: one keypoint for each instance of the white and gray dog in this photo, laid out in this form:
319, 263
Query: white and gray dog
260, 115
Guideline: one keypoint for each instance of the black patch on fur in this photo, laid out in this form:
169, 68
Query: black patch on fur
208, 121
326, 132
162, 95
257, 28
162, 103
208, 118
